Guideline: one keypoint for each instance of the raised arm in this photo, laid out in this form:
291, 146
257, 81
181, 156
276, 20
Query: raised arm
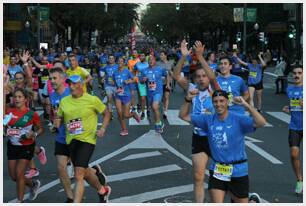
183, 82
40, 66
199, 50
261, 60
184, 111
260, 121
239, 60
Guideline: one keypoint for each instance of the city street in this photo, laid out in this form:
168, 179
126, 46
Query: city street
148, 167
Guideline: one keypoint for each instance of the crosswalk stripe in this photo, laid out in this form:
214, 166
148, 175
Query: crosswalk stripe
141, 155
281, 116
173, 118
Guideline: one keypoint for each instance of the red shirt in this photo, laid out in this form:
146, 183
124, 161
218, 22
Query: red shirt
13, 133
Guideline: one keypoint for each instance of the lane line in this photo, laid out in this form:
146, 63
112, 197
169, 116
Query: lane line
262, 152
281, 116
173, 118
141, 155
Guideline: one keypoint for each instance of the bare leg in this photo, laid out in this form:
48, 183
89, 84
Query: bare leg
62, 172
217, 196
251, 91
199, 162
296, 163
259, 98
156, 111
120, 114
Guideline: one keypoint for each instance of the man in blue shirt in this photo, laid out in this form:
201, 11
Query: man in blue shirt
295, 108
109, 85
13, 68
226, 130
153, 78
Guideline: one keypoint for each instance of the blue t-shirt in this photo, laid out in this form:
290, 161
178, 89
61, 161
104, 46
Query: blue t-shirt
103, 59
213, 66
109, 71
201, 104
67, 63
154, 79
55, 99
13, 70
255, 73
235, 86
295, 94
122, 89
236, 66
140, 67
226, 138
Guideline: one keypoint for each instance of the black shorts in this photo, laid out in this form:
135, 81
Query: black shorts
16, 152
238, 186
258, 86
200, 144
61, 149
295, 138
80, 153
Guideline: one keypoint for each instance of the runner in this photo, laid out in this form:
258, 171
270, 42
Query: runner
131, 64
75, 69
81, 132
22, 131
153, 78
202, 103
226, 130
255, 78
109, 85
57, 77
13, 68
123, 78
142, 89
295, 108
164, 63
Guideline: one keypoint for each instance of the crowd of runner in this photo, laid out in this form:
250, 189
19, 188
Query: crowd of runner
220, 92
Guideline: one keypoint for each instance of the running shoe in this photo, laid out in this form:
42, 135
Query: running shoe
68, 200
33, 172
70, 170
124, 133
101, 176
159, 127
142, 116
42, 156
138, 108
254, 198
136, 117
299, 187
104, 197
34, 190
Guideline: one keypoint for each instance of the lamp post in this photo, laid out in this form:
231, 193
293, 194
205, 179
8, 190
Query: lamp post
27, 26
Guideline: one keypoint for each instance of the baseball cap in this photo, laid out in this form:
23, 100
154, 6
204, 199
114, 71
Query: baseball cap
220, 93
74, 79
68, 49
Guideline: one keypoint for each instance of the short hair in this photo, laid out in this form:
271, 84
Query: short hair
220, 92
228, 59
25, 92
22, 73
58, 70
72, 55
297, 66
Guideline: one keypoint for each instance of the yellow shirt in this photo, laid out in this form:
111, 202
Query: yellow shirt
81, 117
78, 71
6, 60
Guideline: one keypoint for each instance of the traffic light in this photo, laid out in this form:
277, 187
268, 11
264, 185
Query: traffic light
238, 37
177, 6
262, 36
292, 32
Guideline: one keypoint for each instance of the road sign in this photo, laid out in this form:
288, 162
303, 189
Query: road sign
44, 13
238, 14
251, 14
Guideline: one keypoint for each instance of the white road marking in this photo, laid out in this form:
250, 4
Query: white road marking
145, 121
141, 155
268, 125
272, 74
173, 118
250, 143
281, 116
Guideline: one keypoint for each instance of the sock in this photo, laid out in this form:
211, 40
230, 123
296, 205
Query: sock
102, 190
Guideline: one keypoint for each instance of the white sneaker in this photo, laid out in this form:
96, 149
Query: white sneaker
34, 190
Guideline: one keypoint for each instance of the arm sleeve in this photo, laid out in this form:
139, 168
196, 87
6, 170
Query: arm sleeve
246, 124
36, 120
100, 107
199, 120
243, 87
60, 111
85, 73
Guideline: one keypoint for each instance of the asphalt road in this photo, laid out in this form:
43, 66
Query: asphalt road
147, 167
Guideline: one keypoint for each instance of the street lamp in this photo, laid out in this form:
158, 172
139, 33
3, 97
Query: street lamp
256, 26
27, 26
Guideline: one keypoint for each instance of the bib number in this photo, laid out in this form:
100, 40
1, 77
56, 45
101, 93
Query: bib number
152, 85
110, 80
230, 99
75, 127
13, 132
44, 79
223, 172
253, 74
295, 105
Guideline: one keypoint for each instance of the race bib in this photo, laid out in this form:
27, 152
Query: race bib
295, 105
223, 172
110, 80
253, 74
75, 126
120, 91
13, 132
44, 79
152, 85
